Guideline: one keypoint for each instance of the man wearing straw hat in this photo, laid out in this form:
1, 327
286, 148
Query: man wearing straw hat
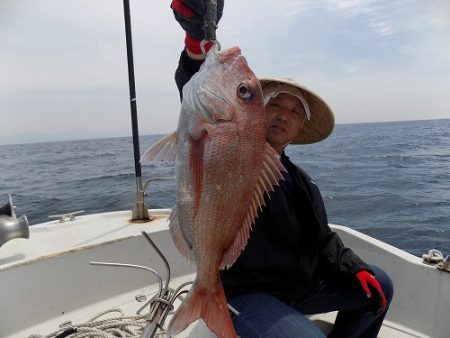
294, 264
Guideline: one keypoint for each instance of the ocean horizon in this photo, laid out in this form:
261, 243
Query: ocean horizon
18, 139
389, 180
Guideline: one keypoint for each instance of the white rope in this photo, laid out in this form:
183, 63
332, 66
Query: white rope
433, 257
122, 326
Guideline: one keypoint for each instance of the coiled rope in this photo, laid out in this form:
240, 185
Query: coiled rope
433, 257
437, 259
122, 326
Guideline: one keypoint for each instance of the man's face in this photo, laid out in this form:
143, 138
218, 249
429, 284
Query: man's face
285, 116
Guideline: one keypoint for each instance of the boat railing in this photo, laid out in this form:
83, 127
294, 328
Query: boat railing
163, 301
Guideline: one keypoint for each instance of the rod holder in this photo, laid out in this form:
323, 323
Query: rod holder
11, 226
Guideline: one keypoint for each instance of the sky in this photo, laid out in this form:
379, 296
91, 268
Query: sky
63, 67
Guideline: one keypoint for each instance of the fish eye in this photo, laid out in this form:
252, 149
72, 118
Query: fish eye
244, 91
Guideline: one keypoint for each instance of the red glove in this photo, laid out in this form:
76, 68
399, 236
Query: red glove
189, 14
373, 291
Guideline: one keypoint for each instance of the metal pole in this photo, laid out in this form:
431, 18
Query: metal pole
140, 210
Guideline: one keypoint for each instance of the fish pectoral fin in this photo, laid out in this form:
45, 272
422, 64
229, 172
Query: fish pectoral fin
164, 149
268, 177
196, 159
180, 241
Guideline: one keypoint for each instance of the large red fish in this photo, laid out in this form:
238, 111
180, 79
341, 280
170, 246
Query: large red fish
224, 167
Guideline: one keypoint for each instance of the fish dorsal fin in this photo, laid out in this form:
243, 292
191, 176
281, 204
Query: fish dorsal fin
164, 149
177, 236
268, 177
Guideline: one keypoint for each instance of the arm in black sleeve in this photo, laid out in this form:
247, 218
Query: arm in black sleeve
338, 259
335, 258
186, 68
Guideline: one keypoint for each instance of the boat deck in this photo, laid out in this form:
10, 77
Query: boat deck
50, 281
388, 330
129, 304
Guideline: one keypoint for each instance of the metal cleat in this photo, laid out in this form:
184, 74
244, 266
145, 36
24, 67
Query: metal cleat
66, 217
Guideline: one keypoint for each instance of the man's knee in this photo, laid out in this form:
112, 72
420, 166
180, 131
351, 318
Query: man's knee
385, 282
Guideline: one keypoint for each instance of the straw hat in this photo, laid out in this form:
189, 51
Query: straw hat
321, 122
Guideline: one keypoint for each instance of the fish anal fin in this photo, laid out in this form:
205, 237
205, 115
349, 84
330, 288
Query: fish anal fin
164, 149
178, 238
207, 304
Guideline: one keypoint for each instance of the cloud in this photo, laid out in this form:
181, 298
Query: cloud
64, 62
439, 13
64, 65
347, 4
383, 28
385, 97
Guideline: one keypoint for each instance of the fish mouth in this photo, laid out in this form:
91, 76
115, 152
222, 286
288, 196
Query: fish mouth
230, 52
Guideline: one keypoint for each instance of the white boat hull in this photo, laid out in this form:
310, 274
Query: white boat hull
47, 279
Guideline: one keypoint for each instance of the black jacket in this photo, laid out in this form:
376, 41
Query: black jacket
291, 247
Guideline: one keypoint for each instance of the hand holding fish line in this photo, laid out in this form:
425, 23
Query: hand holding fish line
199, 19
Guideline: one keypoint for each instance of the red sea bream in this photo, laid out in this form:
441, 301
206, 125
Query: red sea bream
224, 167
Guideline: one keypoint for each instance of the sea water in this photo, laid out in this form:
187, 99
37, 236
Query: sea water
388, 180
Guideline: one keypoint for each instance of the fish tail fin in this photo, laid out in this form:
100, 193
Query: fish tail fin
209, 305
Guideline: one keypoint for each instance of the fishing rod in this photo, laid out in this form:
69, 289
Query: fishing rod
159, 310
140, 210
210, 20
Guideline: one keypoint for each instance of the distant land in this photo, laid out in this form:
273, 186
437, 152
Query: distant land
77, 135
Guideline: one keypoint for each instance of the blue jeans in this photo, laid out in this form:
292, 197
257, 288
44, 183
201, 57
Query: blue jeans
262, 315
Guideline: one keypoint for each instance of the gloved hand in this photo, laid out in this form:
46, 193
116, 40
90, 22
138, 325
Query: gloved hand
373, 291
189, 14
